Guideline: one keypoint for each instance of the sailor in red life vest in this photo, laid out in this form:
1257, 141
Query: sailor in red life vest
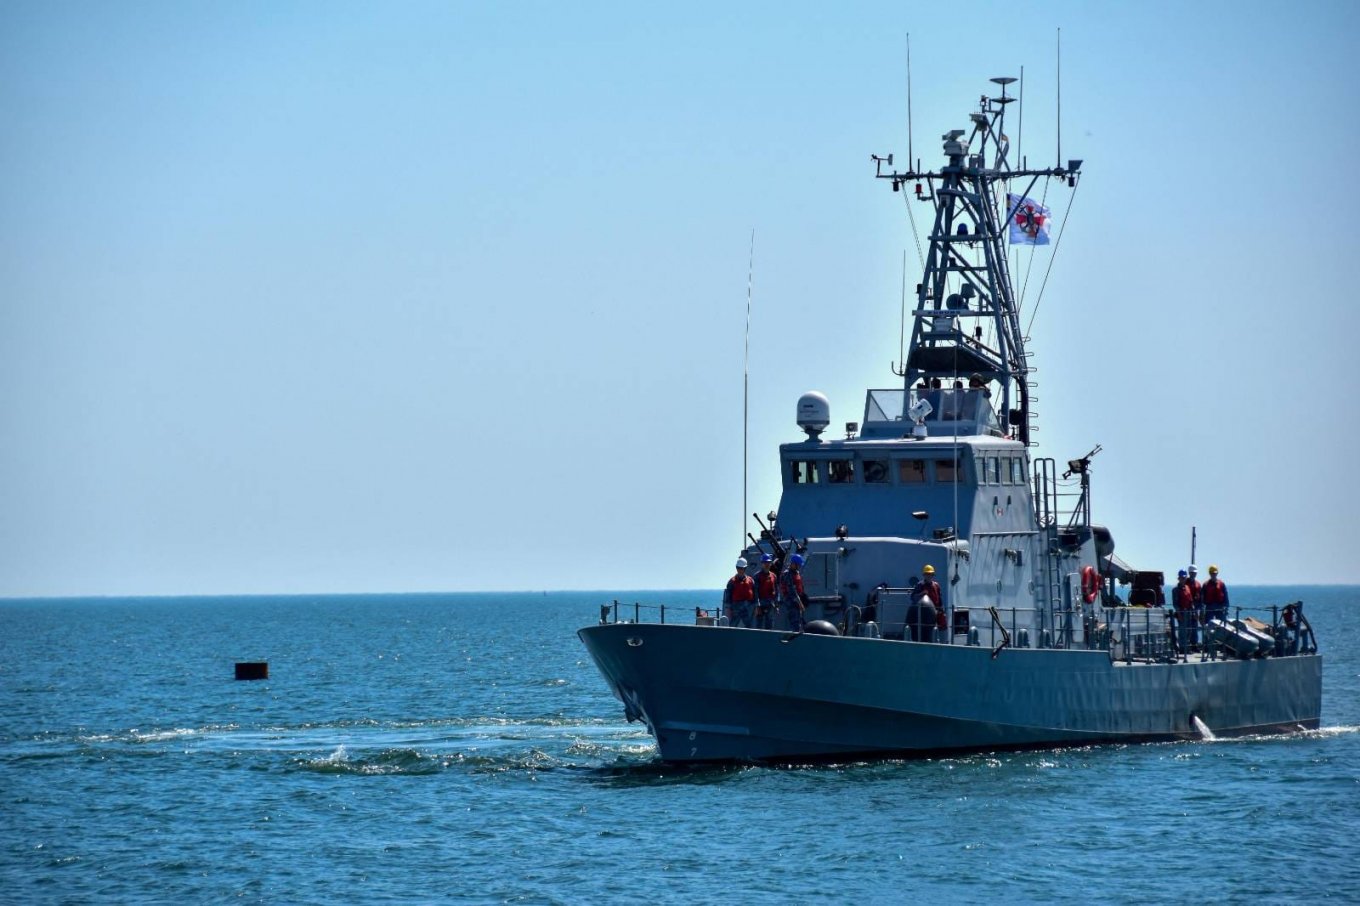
791, 592
1291, 628
1215, 595
767, 589
1183, 600
741, 591
931, 589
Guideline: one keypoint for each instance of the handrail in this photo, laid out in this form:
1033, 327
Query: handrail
1127, 633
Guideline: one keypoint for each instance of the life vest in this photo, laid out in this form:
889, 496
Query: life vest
1196, 590
766, 581
1183, 597
931, 588
1215, 592
741, 588
791, 586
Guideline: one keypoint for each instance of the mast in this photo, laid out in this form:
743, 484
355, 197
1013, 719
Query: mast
966, 286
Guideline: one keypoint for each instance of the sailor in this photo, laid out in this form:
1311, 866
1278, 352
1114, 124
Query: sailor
1183, 601
741, 591
1196, 592
1291, 628
926, 596
791, 596
767, 589
1215, 596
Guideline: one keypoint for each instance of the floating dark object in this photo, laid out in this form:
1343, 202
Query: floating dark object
251, 670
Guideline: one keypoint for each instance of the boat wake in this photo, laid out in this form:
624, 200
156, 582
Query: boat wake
605, 752
367, 747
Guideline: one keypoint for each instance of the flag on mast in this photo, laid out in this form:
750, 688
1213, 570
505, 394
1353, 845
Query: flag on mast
1028, 220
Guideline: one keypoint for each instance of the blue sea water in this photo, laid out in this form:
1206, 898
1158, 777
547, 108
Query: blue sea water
463, 746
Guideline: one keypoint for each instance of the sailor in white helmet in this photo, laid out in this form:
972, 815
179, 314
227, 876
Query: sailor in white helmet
737, 599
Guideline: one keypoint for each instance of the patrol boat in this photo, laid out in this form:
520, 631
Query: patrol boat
1036, 646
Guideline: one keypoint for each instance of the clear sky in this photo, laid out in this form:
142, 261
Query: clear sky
311, 297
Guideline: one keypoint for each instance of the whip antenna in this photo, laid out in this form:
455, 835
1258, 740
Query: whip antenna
910, 157
1060, 97
902, 332
746, 380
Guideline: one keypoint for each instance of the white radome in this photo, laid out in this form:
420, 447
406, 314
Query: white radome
814, 412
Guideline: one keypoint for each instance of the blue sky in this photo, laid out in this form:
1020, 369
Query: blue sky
307, 297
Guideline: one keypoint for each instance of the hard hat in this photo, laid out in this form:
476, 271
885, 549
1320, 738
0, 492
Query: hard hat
1181, 575
929, 570
766, 558
741, 563
1193, 570
796, 559
1213, 570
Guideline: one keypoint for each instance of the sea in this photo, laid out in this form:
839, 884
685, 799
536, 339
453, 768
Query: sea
463, 747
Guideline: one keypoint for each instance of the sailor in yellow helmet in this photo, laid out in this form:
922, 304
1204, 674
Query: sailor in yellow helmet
928, 620
1215, 596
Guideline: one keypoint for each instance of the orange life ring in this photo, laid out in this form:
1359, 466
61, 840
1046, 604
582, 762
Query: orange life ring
1090, 584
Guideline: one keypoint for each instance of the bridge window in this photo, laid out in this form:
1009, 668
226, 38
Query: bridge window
842, 471
946, 470
911, 471
1017, 471
990, 473
803, 472
875, 471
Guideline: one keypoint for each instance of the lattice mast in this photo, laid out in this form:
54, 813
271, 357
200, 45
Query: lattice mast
966, 282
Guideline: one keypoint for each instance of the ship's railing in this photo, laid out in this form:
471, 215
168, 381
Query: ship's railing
1287, 633
1128, 634
1132, 634
1155, 634
636, 612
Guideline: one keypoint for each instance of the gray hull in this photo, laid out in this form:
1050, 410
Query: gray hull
718, 694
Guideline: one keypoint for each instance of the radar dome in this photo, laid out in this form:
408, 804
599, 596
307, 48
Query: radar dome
814, 413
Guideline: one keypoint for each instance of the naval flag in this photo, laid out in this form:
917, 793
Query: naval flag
1028, 220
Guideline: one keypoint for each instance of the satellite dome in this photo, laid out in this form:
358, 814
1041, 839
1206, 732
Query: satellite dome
814, 413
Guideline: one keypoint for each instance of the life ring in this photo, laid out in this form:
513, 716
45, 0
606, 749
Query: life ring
1090, 584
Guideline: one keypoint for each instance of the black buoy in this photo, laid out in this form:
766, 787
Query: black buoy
252, 670
821, 627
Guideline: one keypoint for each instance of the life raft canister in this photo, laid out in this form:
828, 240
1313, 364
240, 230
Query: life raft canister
1090, 584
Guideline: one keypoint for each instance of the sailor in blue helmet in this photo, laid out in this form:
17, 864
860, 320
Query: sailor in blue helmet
738, 596
791, 594
767, 592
